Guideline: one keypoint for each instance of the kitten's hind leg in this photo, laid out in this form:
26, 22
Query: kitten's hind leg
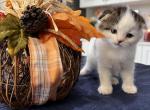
88, 67
90, 62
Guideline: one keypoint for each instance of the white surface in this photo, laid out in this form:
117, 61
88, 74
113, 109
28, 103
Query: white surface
2, 2
142, 52
94, 3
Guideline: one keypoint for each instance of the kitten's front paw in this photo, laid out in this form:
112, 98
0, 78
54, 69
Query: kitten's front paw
130, 89
105, 90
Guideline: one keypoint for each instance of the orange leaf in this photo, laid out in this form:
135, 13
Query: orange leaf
60, 16
88, 29
74, 21
64, 20
72, 28
75, 35
66, 40
76, 13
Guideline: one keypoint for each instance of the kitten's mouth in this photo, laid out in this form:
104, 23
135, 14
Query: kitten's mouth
117, 44
121, 45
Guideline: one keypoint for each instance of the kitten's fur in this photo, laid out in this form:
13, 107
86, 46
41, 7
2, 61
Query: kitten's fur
114, 55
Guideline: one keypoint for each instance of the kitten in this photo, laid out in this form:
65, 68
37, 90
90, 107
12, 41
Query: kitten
114, 55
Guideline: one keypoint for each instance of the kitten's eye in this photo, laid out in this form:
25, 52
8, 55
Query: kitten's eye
106, 28
129, 35
114, 31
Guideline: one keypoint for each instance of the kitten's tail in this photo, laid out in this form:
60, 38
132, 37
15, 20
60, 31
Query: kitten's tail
90, 63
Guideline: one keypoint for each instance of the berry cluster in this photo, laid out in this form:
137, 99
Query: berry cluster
34, 20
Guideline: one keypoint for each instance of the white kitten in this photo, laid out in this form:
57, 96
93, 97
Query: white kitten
114, 55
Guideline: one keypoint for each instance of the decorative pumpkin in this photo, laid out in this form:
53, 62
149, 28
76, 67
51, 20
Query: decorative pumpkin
40, 51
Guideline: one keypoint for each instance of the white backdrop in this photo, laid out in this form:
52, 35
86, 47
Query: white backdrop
2, 4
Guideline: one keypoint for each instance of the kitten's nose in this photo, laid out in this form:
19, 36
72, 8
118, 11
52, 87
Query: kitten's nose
120, 41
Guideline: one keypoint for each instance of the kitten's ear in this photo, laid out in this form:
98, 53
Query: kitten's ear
113, 11
141, 21
144, 24
104, 14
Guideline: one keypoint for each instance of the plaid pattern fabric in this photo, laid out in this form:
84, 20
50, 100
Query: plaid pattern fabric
45, 68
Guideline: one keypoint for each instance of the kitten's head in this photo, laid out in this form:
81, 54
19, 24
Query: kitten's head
121, 26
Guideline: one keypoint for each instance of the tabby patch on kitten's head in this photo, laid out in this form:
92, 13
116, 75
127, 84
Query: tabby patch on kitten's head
122, 26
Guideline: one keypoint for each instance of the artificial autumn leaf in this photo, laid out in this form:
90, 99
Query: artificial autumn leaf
3, 34
88, 29
65, 40
75, 27
61, 16
68, 20
79, 23
21, 43
76, 12
9, 23
10, 28
69, 30
72, 33
70, 23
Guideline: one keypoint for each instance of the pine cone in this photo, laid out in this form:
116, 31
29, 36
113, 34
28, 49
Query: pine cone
34, 21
